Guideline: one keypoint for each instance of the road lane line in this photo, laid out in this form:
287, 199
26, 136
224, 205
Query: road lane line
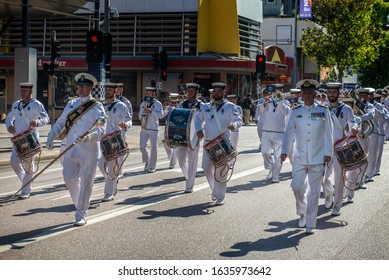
113, 213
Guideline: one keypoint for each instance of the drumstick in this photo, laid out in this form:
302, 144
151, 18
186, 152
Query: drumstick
97, 123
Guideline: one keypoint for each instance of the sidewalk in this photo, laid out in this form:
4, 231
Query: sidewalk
6, 144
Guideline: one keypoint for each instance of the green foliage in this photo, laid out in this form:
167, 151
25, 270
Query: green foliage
348, 34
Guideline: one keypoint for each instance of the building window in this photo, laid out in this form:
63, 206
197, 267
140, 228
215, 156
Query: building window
271, 1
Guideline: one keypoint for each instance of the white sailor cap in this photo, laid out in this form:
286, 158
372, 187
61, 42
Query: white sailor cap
150, 88
333, 85
174, 95
295, 91
85, 79
192, 85
231, 96
371, 90
279, 85
119, 84
210, 90
109, 85
363, 90
26, 85
307, 84
219, 85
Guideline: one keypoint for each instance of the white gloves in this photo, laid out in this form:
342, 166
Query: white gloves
88, 138
50, 140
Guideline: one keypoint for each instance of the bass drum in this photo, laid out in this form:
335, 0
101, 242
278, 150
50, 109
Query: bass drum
180, 130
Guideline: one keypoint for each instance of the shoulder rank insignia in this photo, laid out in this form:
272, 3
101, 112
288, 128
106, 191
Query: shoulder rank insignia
298, 106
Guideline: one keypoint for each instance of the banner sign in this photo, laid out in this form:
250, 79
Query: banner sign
305, 9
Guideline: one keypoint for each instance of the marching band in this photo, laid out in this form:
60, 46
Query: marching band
327, 133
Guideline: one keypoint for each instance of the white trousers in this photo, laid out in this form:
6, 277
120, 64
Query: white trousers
328, 187
171, 154
17, 166
380, 149
111, 170
219, 189
79, 175
306, 184
145, 135
271, 143
188, 161
373, 147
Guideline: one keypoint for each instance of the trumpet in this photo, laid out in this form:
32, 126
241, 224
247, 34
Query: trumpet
2, 116
367, 127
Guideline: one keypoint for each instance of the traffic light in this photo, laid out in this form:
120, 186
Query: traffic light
155, 60
107, 71
260, 65
55, 49
163, 75
94, 46
163, 60
107, 47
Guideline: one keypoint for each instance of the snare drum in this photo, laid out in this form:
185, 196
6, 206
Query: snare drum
26, 144
180, 130
350, 153
114, 146
220, 150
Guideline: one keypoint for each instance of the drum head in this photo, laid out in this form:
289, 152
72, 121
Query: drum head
193, 139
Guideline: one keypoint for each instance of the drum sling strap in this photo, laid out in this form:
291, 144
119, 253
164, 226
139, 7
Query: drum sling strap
216, 116
336, 120
76, 114
109, 108
22, 112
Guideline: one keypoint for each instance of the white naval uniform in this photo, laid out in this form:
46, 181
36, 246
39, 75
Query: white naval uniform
116, 113
344, 119
129, 124
21, 122
235, 133
171, 152
374, 140
382, 119
385, 103
188, 158
309, 130
369, 112
227, 114
276, 114
150, 131
80, 162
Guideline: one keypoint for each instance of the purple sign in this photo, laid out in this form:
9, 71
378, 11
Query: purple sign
305, 9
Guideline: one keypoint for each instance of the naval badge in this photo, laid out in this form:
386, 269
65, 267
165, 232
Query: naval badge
80, 109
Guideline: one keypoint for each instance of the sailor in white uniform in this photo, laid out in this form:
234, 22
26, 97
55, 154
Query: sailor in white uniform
80, 162
310, 130
188, 157
235, 133
119, 95
119, 119
276, 111
216, 118
150, 112
26, 113
344, 124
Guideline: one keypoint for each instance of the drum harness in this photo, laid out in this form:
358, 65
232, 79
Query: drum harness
118, 166
229, 166
31, 164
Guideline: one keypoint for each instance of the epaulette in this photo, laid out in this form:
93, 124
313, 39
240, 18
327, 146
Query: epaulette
298, 106
323, 106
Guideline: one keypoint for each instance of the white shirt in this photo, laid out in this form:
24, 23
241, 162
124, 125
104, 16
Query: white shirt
276, 115
153, 117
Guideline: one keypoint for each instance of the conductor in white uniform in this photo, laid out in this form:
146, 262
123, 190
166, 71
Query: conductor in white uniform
218, 117
309, 129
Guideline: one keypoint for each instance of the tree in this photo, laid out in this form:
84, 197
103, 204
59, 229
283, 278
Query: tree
377, 73
345, 34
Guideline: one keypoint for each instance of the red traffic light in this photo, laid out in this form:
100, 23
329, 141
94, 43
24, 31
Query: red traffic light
94, 39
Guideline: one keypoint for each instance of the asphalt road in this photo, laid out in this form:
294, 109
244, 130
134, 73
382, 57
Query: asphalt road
152, 218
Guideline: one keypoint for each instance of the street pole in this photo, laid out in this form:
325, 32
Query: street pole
294, 80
